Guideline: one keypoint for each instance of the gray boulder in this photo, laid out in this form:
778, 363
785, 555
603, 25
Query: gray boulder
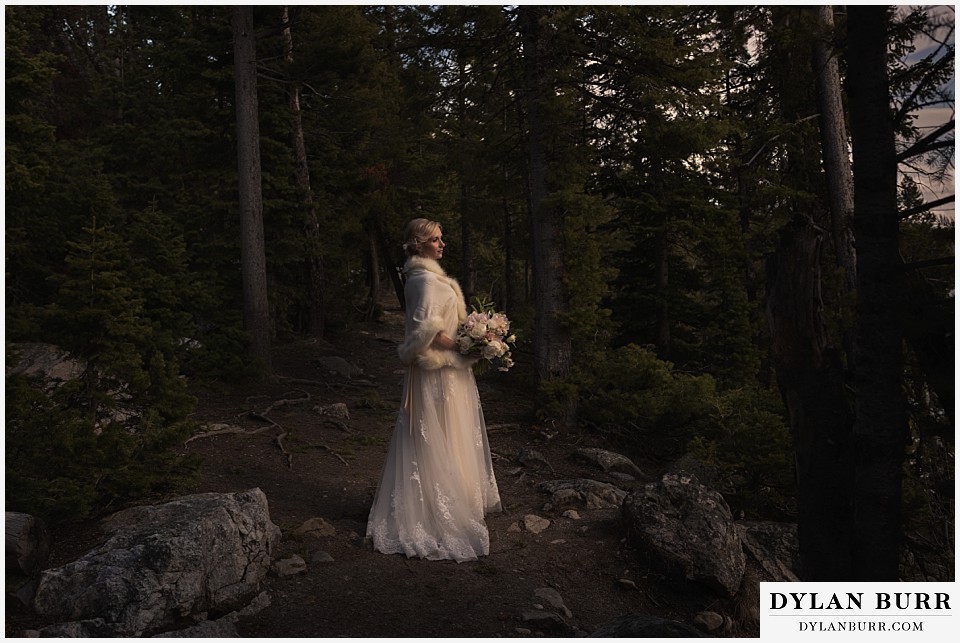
775, 546
161, 566
609, 461
44, 360
583, 492
688, 530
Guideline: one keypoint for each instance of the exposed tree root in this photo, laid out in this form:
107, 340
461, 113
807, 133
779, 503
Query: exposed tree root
230, 430
330, 451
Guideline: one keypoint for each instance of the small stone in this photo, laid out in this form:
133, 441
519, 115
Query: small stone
553, 598
559, 541
535, 524
289, 566
316, 527
531, 458
514, 527
571, 514
339, 411
708, 621
537, 606
627, 583
540, 618
519, 630
321, 557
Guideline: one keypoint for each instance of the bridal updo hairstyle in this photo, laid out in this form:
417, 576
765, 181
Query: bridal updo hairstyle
418, 231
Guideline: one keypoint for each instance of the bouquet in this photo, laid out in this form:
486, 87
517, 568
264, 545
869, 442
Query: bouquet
486, 333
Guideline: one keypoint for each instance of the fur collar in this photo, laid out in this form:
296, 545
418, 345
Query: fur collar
418, 263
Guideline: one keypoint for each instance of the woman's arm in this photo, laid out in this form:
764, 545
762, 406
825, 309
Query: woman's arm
442, 342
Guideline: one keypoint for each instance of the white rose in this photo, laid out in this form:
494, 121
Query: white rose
491, 351
477, 330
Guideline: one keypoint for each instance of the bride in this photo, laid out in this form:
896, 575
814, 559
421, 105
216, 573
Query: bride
437, 482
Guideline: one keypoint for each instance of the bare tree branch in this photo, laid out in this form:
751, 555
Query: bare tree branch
928, 143
925, 207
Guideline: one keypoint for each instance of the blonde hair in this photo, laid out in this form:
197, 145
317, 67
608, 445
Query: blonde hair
416, 232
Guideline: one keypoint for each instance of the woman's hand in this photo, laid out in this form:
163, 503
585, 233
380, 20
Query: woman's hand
442, 342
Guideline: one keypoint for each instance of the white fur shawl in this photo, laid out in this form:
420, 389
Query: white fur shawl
434, 303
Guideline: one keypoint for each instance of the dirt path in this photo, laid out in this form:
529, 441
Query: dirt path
333, 472
329, 469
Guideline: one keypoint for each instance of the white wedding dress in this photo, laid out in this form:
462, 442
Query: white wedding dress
438, 481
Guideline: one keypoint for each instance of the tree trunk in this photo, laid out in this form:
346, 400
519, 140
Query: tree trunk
880, 430
808, 365
836, 151
468, 278
256, 311
374, 277
27, 544
552, 350
311, 224
810, 379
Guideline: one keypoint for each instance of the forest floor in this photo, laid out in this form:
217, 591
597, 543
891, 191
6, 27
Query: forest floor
332, 471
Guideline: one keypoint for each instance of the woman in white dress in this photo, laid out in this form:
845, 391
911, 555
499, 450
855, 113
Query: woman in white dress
438, 481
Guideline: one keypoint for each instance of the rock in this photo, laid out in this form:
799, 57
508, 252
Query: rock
316, 527
571, 514
689, 465
321, 557
589, 493
289, 566
338, 366
338, 411
533, 459
52, 367
708, 621
522, 631
775, 546
608, 461
223, 627
553, 599
535, 524
642, 626
544, 621
162, 563
687, 529
89, 628
626, 583
44, 360
622, 477
514, 527
27, 544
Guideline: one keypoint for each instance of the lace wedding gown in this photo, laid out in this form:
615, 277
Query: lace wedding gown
438, 481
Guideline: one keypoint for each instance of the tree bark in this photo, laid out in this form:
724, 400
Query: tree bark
256, 311
552, 350
808, 364
880, 430
810, 378
311, 223
836, 151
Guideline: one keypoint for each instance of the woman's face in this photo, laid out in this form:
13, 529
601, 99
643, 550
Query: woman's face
432, 247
